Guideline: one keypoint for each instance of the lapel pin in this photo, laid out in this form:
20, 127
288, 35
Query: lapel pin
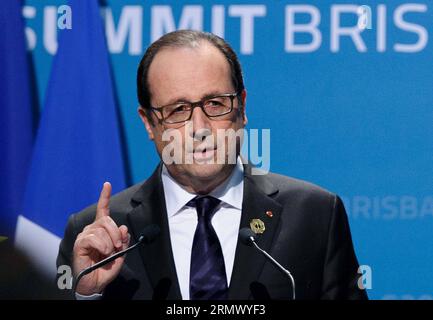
269, 213
257, 226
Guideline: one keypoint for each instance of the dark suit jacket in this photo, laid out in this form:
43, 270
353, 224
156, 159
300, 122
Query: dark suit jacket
308, 234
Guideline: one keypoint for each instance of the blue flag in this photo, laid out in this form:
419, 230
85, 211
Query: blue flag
16, 132
78, 143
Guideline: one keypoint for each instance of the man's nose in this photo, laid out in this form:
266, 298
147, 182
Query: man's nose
200, 122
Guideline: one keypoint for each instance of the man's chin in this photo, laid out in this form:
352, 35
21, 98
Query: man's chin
205, 170
200, 178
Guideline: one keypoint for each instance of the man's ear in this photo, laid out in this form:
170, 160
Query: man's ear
146, 122
244, 103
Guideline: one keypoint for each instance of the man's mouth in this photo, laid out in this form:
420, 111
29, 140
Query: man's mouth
206, 153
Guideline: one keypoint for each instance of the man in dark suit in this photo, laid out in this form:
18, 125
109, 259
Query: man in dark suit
190, 85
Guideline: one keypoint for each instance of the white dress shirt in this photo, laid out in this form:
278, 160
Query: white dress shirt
182, 221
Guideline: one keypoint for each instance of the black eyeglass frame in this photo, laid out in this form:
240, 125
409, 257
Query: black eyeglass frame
193, 105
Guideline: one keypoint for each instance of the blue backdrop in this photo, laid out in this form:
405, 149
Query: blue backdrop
347, 109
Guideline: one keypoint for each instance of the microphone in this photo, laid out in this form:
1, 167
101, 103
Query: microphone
247, 237
148, 235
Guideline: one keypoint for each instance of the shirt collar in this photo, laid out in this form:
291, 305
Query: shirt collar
230, 192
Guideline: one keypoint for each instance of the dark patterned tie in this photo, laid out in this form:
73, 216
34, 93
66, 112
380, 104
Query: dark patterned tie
208, 280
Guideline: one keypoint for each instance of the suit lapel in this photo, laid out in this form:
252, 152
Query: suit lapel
157, 257
257, 201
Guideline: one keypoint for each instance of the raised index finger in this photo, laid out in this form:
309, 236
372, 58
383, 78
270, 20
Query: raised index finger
103, 207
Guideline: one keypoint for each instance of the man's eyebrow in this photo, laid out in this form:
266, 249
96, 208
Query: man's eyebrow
176, 100
205, 96
213, 94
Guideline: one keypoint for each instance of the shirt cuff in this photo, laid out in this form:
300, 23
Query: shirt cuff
95, 296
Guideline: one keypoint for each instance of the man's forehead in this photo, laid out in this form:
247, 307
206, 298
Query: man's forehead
178, 54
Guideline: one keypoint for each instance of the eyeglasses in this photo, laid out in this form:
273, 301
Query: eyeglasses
214, 106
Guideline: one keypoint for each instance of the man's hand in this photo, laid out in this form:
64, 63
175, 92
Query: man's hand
98, 240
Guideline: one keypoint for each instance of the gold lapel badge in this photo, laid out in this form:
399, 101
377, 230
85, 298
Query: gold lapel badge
257, 226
